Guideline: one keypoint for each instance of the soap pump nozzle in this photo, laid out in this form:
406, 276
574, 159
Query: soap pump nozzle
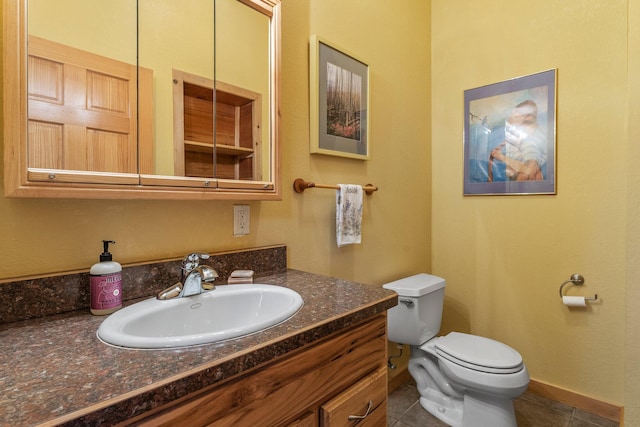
106, 255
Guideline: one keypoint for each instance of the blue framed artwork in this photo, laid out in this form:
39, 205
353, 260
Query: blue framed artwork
510, 137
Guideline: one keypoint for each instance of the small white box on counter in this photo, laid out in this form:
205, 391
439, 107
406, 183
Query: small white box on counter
240, 276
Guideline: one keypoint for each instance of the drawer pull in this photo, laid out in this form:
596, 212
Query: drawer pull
361, 417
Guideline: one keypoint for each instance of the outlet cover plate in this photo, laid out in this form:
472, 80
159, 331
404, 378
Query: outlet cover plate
241, 220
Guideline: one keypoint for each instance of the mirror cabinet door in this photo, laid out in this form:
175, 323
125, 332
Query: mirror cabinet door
175, 38
243, 88
142, 99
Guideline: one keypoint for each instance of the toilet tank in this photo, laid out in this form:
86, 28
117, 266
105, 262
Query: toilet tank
417, 317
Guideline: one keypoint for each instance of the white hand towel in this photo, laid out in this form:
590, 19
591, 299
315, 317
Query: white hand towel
348, 214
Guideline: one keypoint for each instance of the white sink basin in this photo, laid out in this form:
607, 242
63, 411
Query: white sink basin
228, 311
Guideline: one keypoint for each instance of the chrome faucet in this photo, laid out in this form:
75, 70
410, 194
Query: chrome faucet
195, 278
190, 262
199, 279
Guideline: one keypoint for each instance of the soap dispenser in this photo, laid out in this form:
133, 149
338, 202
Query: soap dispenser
105, 283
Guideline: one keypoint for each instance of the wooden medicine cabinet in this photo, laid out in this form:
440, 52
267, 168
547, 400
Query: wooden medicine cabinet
83, 121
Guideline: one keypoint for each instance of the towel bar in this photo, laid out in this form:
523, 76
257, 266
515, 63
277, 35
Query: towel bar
299, 185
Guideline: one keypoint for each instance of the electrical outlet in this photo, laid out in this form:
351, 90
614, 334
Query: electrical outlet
241, 217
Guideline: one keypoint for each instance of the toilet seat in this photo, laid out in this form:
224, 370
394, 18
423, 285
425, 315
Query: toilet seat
478, 353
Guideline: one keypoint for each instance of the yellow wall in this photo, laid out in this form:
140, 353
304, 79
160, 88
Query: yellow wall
93, 25
504, 257
632, 371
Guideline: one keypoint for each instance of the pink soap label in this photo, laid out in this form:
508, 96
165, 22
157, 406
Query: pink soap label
106, 291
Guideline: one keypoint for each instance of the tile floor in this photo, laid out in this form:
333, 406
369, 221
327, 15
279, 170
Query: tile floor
531, 411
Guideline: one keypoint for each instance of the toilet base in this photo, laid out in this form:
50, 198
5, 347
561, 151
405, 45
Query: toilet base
436, 394
470, 411
488, 412
454, 406
446, 409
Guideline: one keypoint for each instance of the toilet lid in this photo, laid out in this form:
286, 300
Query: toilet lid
479, 353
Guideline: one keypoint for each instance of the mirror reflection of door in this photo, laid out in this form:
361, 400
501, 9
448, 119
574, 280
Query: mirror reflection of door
82, 86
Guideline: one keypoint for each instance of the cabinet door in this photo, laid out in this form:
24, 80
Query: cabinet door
365, 403
310, 419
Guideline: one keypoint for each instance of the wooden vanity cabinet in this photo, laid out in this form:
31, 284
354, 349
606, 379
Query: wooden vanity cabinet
318, 385
310, 419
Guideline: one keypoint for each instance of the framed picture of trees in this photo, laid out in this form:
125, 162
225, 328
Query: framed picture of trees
339, 101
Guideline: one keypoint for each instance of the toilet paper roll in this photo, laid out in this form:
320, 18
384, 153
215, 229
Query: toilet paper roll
574, 301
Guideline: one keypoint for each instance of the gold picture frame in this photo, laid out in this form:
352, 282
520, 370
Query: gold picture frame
339, 101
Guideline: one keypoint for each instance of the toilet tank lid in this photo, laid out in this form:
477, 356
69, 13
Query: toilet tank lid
417, 285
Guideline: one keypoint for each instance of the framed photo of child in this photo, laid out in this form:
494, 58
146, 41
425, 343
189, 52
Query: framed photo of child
510, 137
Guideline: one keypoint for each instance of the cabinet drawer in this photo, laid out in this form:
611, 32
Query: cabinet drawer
368, 394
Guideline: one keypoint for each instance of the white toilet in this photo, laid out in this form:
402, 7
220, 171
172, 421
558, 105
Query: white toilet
464, 380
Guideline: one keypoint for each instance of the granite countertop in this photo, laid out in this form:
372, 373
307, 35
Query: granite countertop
55, 371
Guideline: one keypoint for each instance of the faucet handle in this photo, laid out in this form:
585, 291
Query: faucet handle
207, 273
192, 260
171, 292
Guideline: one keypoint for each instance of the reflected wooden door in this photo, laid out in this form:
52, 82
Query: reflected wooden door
82, 110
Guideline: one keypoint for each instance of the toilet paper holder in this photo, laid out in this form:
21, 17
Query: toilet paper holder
576, 279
